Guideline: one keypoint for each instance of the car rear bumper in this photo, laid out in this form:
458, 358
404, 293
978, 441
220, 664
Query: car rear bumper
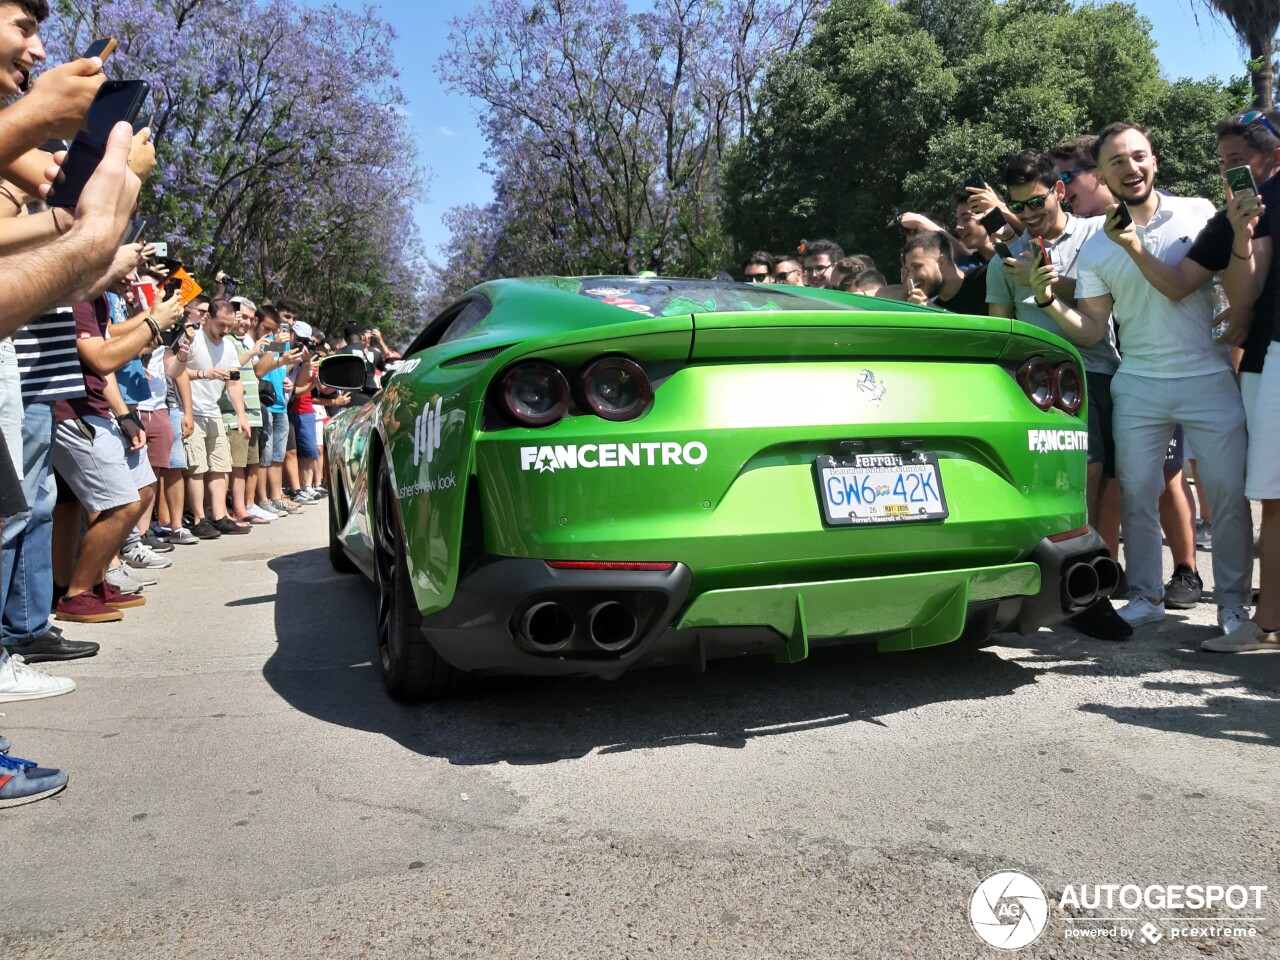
520, 616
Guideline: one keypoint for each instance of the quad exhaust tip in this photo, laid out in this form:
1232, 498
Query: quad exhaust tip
612, 626
1080, 586
548, 625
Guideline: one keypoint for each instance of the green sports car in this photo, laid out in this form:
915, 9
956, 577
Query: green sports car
585, 475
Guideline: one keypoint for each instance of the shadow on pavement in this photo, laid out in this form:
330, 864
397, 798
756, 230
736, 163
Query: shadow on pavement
324, 631
1242, 706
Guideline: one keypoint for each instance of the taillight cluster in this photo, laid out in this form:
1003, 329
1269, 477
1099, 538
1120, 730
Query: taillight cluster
1048, 386
535, 393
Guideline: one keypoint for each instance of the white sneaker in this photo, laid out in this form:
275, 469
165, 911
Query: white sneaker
184, 537
142, 557
120, 578
1231, 619
303, 497
257, 511
1247, 637
1140, 610
21, 682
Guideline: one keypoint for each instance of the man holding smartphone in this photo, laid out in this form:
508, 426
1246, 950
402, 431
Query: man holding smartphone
212, 359
1036, 195
1170, 372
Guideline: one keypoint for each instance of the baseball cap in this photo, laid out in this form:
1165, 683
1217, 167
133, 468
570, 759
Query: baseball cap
302, 330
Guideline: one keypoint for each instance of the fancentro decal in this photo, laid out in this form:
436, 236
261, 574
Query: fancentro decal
588, 456
1046, 441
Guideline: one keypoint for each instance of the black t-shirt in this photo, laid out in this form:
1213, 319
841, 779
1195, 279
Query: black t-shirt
1212, 250
971, 298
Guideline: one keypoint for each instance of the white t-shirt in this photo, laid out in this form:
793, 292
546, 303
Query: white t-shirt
205, 356
1158, 337
156, 382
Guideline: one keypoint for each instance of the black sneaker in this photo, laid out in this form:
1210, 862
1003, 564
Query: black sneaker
205, 529
1101, 622
1184, 589
52, 645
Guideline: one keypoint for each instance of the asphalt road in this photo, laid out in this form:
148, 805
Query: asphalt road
241, 787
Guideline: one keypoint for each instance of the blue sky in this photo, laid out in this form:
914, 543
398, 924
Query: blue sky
450, 144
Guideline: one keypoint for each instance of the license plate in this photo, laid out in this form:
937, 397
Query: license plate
881, 488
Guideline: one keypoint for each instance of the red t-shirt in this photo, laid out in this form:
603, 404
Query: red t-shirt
91, 321
301, 402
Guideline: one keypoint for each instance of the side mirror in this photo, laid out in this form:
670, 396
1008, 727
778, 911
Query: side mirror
343, 371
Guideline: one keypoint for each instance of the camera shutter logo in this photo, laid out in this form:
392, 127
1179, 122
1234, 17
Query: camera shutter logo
426, 433
1009, 910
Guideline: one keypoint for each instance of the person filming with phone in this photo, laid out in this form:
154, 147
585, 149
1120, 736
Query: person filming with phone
1170, 372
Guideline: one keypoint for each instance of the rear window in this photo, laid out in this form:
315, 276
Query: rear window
669, 298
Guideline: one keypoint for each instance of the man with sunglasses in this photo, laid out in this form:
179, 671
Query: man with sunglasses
1083, 190
758, 268
1171, 372
786, 270
1036, 194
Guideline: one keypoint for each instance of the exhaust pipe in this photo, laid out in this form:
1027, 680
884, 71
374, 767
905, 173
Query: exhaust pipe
612, 625
1079, 587
548, 625
1108, 572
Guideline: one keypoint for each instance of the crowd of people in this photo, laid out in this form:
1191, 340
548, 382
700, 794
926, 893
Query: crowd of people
140, 415
1170, 303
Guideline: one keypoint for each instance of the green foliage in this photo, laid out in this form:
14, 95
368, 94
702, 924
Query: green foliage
893, 107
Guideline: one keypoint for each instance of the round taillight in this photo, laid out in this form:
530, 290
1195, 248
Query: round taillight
616, 388
534, 394
1037, 381
1070, 387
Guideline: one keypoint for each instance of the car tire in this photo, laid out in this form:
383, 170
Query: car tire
411, 670
338, 558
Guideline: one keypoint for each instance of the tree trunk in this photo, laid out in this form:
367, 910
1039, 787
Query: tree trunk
1261, 53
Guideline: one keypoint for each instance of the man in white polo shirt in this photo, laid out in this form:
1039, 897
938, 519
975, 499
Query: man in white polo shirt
1170, 372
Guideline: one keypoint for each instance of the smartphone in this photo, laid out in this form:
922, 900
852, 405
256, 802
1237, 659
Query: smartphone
175, 336
1003, 251
1039, 250
1123, 217
136, 230
161, 250
977, 181
172, 286
235, 374
1241, 179
116, 100
992, 221
101, 48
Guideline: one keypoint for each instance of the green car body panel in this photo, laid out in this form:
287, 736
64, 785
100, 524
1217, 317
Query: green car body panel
751, 387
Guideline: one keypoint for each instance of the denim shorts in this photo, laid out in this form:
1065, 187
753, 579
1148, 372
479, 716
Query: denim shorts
274, 438
304, 429
178, 455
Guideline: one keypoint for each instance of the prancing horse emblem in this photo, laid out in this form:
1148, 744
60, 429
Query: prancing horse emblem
868, 384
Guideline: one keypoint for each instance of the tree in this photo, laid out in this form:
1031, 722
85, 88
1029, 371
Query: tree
275, 159
1255, 23
893, 107
606, 128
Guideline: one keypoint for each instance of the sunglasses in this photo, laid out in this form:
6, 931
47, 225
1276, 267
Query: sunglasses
1035, 203
1066, 176
1255, 116
783, 274
756, 277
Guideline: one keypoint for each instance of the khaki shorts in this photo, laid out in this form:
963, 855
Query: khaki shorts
244, 450
207, 448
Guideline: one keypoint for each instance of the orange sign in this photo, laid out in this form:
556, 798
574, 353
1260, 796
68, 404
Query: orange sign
190, 289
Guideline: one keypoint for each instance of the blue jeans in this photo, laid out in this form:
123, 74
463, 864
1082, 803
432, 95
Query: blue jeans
26, 582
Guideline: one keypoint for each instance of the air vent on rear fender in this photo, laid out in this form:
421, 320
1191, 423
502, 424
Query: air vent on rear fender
473, 359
